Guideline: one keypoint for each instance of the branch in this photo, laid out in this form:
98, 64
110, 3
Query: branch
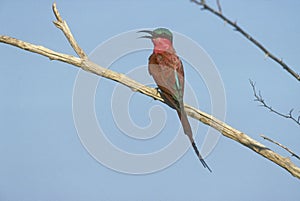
205, 118
259, 98
63, 26
248, 36
282, 146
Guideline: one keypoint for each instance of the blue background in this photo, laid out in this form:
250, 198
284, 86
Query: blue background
41, 155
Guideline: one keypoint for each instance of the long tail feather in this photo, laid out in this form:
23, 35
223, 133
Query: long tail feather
178, 106
188, 131
200, 157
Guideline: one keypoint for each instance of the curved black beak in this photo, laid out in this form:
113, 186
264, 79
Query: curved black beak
146, 31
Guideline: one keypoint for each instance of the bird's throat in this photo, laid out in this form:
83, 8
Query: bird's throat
162, 45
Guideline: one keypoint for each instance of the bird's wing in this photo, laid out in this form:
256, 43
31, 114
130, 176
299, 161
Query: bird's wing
167, 71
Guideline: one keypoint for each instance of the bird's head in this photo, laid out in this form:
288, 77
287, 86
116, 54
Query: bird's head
158, 33
162, 38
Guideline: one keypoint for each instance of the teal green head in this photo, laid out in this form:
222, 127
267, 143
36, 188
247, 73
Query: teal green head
159, 33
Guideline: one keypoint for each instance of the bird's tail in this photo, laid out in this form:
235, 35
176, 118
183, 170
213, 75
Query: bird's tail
188, 131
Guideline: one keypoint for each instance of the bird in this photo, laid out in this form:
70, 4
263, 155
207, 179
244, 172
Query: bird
166, 68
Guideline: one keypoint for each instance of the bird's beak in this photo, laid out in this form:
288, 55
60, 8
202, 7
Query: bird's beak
146, 31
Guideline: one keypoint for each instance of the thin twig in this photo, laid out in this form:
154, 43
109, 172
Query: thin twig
260, 99
282, 146
219, 6
249, 37
207, 119
63, 26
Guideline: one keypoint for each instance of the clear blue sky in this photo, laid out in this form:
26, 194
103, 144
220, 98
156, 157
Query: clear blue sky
42, 157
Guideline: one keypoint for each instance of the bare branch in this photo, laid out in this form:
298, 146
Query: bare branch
52, 55
282, 146
249, 37
259, 98
205, 118
63, 26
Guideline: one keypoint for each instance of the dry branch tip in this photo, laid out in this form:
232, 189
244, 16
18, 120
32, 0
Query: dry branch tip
56, 13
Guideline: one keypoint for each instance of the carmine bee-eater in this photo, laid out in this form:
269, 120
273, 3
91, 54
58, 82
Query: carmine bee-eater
167, 71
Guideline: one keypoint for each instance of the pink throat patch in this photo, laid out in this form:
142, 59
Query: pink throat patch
162, 45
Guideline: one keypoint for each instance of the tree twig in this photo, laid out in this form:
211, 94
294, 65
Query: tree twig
282, 146
205, 118
219, 6
63, 26
249, 37
260, 99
